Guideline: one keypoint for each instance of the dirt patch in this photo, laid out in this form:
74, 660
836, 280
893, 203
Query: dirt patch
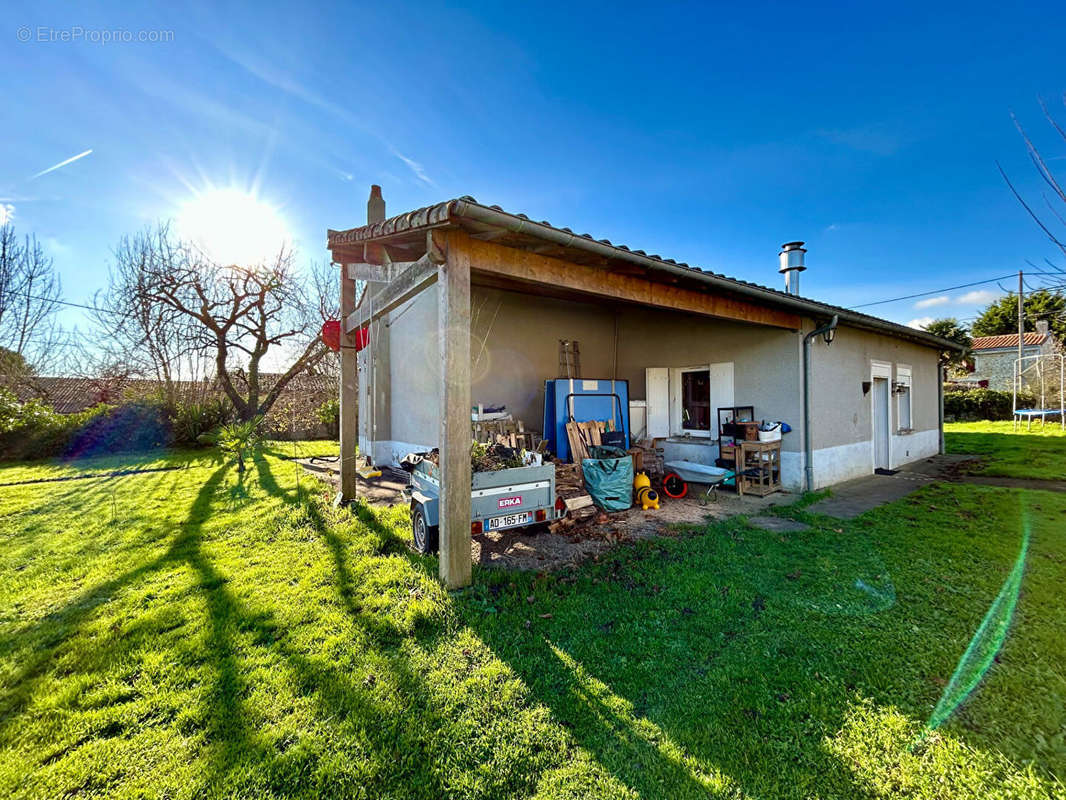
962, 468
384, 491
538, 548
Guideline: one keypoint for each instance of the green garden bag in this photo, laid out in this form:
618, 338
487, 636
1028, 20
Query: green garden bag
609, 478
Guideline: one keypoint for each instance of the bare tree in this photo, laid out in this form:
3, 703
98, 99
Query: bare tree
30, 295
325, 288
240, 318
1054, 195
136, 334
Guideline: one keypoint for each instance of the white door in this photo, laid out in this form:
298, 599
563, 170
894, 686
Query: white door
880, 408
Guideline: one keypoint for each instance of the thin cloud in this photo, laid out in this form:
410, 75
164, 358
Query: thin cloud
878, 139
61, 164
930, 302
54, 246
919, 322
7, 213
415, 167
980, 296
281, 80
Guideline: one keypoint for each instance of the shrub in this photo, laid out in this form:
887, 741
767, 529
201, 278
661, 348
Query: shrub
329, 414
35, 430
190, 421
974, 404
239, 439
134, 427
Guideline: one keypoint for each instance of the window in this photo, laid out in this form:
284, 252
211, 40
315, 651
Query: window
696, 399
903, 397
682, 401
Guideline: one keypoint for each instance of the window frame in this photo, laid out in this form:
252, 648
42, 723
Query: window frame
904, 377
679, 404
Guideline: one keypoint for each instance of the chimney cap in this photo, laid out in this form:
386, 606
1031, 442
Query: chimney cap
375, 191
791, 257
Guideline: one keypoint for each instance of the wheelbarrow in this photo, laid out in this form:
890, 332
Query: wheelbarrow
681, 473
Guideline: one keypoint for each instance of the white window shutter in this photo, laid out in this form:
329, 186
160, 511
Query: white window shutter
721, 391
657, 394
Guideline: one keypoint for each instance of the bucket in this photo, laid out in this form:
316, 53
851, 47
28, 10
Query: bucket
772, 435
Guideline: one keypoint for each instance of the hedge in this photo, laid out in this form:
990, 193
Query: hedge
975, 404
35, 430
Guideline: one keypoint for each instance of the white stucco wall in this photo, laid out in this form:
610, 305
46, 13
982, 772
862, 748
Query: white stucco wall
515, 346
841, 415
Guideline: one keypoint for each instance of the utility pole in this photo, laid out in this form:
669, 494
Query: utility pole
1021, 318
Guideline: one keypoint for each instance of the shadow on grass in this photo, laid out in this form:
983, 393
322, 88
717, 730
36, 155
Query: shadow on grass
233, 631
1025, 454
671, 673
668, 661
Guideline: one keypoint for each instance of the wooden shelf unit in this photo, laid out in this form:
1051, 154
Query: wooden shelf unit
763, 461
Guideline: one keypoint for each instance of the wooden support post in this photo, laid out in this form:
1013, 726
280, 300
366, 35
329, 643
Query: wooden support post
454, 338
349, 400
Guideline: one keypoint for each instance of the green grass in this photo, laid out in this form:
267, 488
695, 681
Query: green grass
185, 634
1039, 453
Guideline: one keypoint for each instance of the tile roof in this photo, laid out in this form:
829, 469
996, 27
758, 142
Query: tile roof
1006, 340
467, 212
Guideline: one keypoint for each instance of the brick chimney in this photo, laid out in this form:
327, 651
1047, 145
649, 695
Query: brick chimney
375, 206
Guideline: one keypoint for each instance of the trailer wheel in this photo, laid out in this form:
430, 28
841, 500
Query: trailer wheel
674, 486
426, 538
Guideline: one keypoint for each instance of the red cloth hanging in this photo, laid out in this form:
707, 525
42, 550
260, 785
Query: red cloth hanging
331, 335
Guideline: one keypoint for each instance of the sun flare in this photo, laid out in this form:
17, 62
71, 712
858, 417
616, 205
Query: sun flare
233, 226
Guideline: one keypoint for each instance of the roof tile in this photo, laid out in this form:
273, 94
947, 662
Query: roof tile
1006, 340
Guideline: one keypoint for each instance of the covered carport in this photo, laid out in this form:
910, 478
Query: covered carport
459, 244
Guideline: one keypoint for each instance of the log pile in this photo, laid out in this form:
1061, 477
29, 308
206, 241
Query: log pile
570, 486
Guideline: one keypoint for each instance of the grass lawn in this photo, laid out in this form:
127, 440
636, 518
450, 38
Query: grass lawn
190, 634
1009, 453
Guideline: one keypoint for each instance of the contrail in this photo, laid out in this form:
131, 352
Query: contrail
70, 160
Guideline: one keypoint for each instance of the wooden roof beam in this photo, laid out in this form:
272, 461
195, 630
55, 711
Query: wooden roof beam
528, 267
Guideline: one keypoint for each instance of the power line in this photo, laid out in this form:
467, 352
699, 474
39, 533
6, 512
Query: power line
934, 291
64, 303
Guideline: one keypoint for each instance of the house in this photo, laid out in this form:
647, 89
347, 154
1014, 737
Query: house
994, 356
468, 303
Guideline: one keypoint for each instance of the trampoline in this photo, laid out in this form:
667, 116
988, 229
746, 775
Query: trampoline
1028, 414
1045, 368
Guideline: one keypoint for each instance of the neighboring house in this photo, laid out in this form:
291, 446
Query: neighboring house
687, 341
994, 356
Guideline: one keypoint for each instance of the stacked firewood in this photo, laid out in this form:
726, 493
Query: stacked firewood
570, 486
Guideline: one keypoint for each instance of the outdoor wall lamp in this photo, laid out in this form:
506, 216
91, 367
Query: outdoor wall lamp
829, 332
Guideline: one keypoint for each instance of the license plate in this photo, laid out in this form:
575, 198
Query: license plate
510, 521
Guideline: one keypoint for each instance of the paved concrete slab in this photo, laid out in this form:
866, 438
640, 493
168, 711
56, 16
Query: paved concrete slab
778, 524
852, 498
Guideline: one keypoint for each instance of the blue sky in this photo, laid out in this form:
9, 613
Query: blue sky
706, 133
